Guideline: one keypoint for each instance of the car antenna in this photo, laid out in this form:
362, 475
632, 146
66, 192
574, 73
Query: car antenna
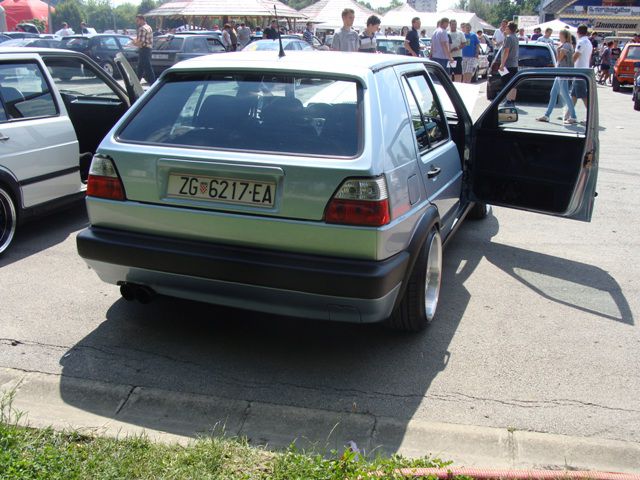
281, 53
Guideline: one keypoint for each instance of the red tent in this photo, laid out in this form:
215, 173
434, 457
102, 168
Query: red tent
18, 11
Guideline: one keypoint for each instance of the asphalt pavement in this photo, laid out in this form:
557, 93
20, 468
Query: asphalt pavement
536, 340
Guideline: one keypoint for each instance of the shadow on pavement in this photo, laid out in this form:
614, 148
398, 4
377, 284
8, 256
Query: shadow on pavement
45, 231
196, 348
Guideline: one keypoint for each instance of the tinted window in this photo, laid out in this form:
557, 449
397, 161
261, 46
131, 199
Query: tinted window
75, 78
108, 43
532, 56
75, 43
248, 111
429, 121
633, 53
25, 92
215, 45
196, 45
168, 43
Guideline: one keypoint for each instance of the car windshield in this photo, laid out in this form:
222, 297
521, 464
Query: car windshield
388, 45
633, 53
267, 112
168, 43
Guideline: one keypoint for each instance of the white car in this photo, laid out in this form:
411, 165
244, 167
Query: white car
55, 107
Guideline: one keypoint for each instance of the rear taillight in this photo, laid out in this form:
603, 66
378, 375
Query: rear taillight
104, 181
360, 201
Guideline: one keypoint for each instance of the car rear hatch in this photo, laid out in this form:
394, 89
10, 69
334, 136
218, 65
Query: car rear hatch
165, 52
271, 145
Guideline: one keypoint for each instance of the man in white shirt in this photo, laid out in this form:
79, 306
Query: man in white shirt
498, 35
581, 59
65, 30
458, 41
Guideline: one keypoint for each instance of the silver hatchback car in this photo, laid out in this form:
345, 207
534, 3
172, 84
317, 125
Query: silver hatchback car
319, 185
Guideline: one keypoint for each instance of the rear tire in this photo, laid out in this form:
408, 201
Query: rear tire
420, 300
615, 84
8, 219
110, 68
636, 101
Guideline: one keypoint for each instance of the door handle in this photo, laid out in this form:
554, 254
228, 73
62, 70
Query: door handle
3, 138
434, 172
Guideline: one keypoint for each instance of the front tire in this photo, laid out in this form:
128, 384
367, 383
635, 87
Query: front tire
420, 300
8, 219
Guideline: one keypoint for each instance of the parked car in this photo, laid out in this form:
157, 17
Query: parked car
317, 44
103, 48
530, 55
325, 190
483, 63
49, 129
289, 44
391, 44
171, 49
32, 42
636, 87
20, 34
623, 73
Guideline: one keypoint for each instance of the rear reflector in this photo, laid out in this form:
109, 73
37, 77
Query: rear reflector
360, 201
104, 181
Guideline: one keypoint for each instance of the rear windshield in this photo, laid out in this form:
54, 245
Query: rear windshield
249, 111
633, 53
168, 43
532, 56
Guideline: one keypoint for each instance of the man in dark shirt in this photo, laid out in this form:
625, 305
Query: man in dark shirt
271, 32
412, 40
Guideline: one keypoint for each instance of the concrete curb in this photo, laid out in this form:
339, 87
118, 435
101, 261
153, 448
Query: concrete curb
117, 410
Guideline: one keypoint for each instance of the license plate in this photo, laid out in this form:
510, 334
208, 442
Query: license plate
221, 189
159, 56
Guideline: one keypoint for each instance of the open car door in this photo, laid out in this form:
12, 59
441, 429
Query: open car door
521, 161
131, 80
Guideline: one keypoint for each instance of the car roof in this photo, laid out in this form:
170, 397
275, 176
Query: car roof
390, 37
340, 63
38, 50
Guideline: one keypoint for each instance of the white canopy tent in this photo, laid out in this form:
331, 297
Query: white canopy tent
401, 17
327, 14
556, 25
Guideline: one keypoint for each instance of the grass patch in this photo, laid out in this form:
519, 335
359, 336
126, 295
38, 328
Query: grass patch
29, 453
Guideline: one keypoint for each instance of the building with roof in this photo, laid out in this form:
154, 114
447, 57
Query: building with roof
202, 12
424, 5
605, 16
327, 14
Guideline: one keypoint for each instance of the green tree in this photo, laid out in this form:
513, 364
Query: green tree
99, 14
503, 9
125, 14
147, 6
70, 11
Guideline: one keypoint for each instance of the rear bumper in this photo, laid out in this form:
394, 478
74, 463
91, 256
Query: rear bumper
276, 282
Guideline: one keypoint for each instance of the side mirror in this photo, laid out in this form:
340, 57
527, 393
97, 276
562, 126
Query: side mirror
507, 115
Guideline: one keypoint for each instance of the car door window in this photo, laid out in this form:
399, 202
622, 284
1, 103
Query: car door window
108, 43
77, 78
25, 92
215, 46
125, 43
428, 119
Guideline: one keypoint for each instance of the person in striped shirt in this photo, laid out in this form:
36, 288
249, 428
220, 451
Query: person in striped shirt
368, 37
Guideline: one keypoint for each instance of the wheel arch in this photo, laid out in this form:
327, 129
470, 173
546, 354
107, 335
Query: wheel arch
10, 182
429, 220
